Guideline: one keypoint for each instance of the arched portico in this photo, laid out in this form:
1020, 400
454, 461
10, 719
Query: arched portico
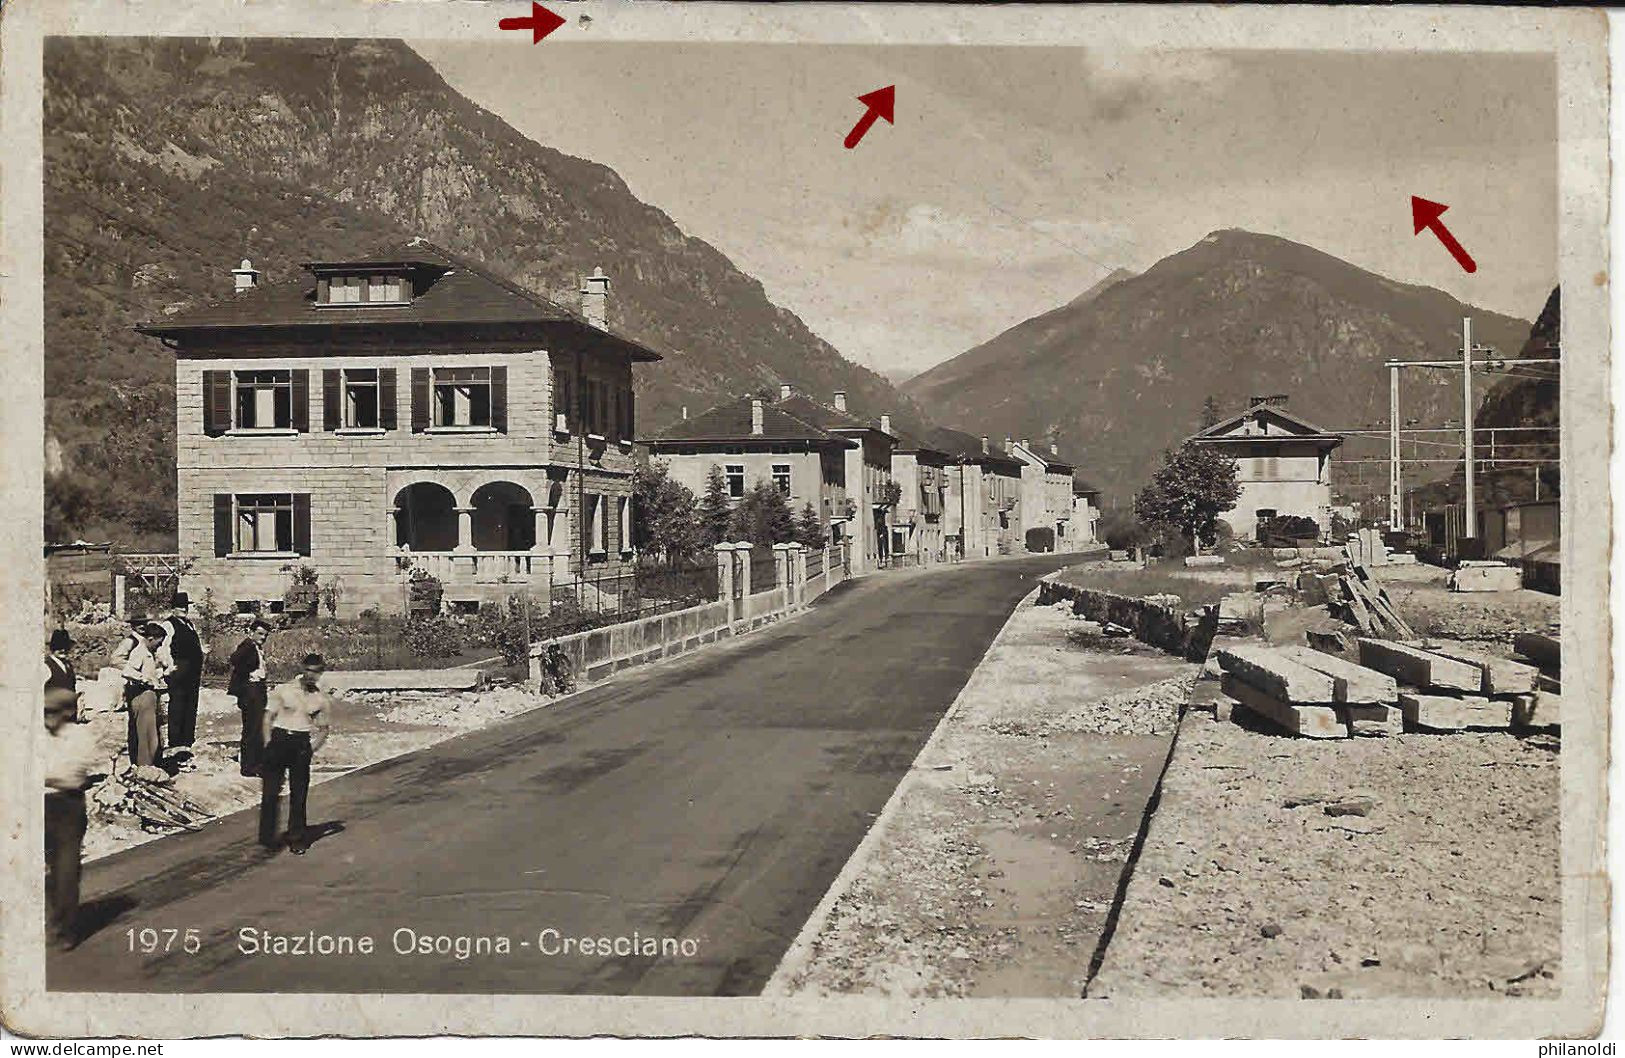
502, 517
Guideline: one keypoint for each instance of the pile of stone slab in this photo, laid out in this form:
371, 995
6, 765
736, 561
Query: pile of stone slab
1485, 576
1395, 687
1306, 692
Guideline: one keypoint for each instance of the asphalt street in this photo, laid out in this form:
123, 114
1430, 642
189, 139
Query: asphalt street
703, 805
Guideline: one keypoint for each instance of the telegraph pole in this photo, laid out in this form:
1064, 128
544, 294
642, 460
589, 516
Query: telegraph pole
1470, 514
1396, 516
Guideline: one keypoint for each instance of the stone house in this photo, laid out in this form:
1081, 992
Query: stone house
401, 411
750, 440
1085, 528
982, 505
921, 472
1282, 462
1046, 488
868, 472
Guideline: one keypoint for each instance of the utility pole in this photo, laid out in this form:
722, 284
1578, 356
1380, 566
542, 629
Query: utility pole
1470, 514
1395, 513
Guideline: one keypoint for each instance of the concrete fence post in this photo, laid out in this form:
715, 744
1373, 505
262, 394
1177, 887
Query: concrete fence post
800, 554
118, 595
725, 579
742, 549
781, 566
826, 567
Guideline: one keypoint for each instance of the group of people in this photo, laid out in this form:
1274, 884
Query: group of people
162, 661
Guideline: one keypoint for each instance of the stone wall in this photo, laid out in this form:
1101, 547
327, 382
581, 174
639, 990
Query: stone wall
1152, 622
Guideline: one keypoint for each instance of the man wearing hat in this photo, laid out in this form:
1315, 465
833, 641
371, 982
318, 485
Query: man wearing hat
70, 757
59, 670
182, 659
296, 721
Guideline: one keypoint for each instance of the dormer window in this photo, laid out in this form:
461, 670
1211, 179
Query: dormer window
372, 289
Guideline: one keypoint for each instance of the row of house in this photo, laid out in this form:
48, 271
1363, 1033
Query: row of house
889, 494
409, 412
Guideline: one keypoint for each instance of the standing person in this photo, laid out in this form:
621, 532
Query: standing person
183, 660
296, 724
247, 685
59, 670
127, 642
70, 755
141, 686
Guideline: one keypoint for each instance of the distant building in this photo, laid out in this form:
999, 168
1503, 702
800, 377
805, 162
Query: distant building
1282, 465
1046, 489
982, 502
918, 525
1085, 513
400, 411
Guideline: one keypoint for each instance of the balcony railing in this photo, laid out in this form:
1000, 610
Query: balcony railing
490, 567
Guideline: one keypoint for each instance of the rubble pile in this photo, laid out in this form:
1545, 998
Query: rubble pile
1395, 686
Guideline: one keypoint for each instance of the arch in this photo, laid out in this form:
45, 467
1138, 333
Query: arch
503, 519
426, 517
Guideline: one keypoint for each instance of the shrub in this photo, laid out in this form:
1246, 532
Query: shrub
432, 636
1040, 538
1122, 531
425, 593
331, 593
505, 629
302, 593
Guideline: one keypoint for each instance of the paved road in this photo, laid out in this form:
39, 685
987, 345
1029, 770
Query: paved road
711, 799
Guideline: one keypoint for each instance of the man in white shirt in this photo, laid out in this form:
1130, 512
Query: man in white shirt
142, 681
70, 757
297, 715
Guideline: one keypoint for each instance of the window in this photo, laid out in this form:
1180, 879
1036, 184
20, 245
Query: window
564, 410
735, 473
264, 400
363, 290
344, 290
589, 410
265, 523
361, 397
462, 396
386, 288
781, 477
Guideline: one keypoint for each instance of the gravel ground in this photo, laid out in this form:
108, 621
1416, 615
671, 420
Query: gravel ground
1416, 865
1493, 616
993, 871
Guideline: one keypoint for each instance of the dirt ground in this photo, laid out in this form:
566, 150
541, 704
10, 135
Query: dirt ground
1433, 610
995, 868
1248, 887
367, 728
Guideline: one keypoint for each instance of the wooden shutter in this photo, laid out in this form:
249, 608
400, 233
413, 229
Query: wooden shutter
332, 394
420, 400
499, 398
216, 402
630, 425
301, 401
386, 398
222, 524
612, 523
301, 522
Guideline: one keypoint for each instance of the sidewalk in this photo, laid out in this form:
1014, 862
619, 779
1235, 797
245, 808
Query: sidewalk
994, 866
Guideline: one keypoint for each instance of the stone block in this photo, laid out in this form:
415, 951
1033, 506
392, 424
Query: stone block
1351, 683
1375, 721
1539, 709
1309, 721
1544, 651
1273, 671
1419, 668
1486, 578
1501, 675
1204, 560
1439, 712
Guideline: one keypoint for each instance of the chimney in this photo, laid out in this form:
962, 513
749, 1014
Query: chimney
756, 415
885, 424
840, 400
786, 391
1007, 444
1028, 445
245, 277
1054, 449
984, 444
595, 299
685, 413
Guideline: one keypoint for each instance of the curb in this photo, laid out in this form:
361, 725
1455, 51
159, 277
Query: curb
799, 954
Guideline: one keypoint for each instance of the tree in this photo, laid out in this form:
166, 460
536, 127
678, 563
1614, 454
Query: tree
664, 519
763, 517
1210, 413
1194, 485
715, 510
810, 531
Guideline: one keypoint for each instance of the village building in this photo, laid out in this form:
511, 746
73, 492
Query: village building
918, 524
869, 502
1282, 464
751, 440
1046, 492
1085, 513
401, 414
982, 505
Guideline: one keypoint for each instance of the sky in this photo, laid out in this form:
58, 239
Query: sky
1016, 177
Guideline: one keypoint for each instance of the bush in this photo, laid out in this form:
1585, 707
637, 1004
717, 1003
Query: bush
425, 593
433, 636
1294, 527
1040, 538
1122, 531
302, 593
504, 629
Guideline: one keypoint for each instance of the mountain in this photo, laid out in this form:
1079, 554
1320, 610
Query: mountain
1120, 374
168, 160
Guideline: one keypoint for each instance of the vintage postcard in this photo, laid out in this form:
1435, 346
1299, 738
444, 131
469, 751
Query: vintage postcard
791, 520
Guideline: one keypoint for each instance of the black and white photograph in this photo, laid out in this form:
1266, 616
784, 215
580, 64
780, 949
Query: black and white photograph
858, 510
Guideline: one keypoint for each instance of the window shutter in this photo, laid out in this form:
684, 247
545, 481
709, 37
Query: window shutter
331, 395
612, 528
301, 401
386, 398
630, 426
301, 522
222, 524
420, 399
216, 402
499, 398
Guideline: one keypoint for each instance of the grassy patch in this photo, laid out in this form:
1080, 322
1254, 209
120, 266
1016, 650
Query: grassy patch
1192, 587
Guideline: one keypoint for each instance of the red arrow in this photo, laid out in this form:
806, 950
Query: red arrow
1425, 214
540, 23
881, 103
